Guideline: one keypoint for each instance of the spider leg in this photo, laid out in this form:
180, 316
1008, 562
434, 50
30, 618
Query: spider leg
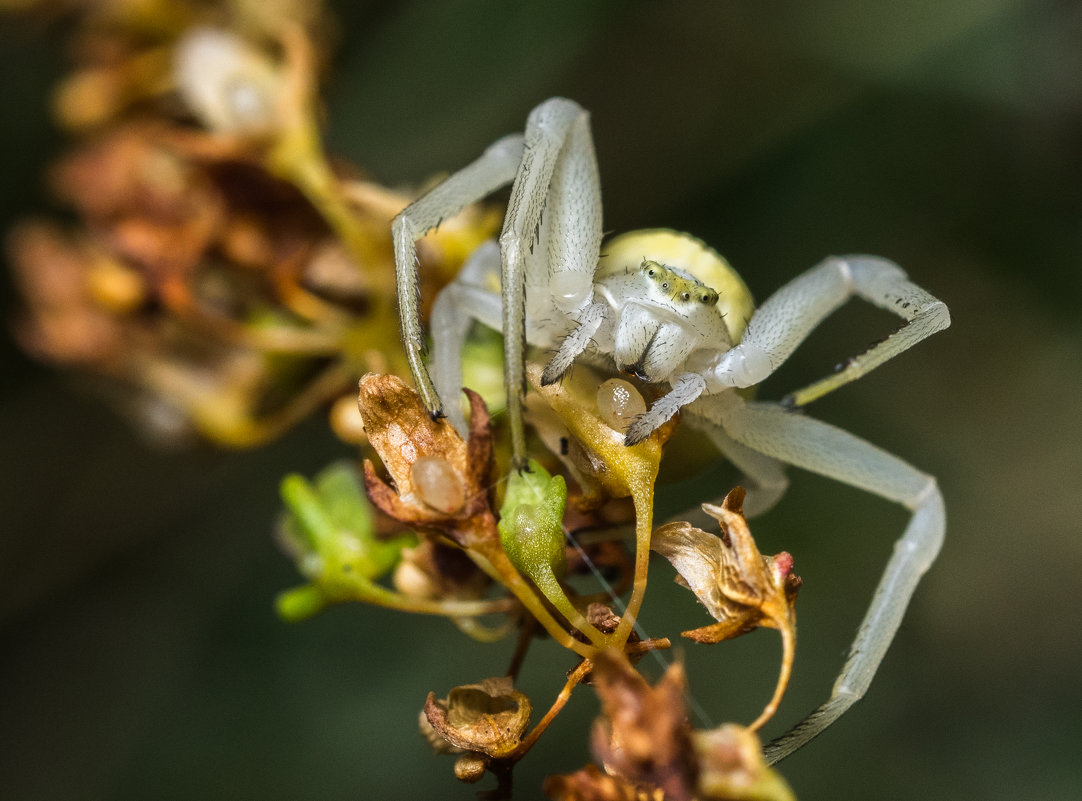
574, 343
495, 168
764, 475
458, 304
685, 388
821, 448
557, 176
790, 314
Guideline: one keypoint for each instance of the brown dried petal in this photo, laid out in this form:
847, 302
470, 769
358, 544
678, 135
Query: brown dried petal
644, 736
489, 717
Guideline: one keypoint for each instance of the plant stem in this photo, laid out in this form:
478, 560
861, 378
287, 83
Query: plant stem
642, 495
577, 675
788, 642
491, 559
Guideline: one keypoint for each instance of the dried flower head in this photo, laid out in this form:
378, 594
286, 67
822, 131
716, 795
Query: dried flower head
644, 736
489, 717
440, 481
593, 784
740, 588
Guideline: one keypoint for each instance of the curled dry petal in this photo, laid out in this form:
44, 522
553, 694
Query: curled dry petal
489, 717
740, 588
644, 736
440, 481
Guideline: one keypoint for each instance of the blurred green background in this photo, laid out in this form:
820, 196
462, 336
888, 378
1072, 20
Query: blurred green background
141, 655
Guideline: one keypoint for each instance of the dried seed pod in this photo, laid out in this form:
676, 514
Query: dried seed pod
489, 717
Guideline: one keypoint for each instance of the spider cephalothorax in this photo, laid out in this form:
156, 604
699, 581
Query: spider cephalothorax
666, 308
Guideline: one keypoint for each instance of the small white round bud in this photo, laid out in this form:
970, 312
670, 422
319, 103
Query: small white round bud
619, 404
438, 484
470, 768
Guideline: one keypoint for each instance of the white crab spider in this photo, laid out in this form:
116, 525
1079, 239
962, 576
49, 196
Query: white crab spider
683, 325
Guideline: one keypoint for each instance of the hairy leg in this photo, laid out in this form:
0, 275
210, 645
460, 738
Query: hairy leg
821, 448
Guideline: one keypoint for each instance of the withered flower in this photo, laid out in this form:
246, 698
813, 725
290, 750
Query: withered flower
732, 768
440, 481
434, 570
644, 736
489, 717
650, 751
740, 588
444, 575
65, 319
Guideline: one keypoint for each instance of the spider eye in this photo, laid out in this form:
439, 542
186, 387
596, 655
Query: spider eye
650, 272
664, 284
686, 296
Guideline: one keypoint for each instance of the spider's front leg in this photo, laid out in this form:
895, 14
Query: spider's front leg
557, 180
591, 319
685, 389
467, 298
790, 314
495, 168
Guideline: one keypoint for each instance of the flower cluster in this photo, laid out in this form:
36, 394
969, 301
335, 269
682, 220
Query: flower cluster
448, 491
222, 271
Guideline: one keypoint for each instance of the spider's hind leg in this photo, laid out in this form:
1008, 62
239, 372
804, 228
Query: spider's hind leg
764, 478
821, 448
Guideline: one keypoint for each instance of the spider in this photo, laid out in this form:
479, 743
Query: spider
665, 308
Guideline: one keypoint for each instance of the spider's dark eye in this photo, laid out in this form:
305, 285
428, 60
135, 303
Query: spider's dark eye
650, 272
705, 299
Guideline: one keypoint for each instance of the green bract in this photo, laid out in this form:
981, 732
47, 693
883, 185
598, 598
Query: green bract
532, 532
531, 521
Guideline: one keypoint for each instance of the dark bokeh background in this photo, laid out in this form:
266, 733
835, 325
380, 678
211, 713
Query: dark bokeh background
141, 658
